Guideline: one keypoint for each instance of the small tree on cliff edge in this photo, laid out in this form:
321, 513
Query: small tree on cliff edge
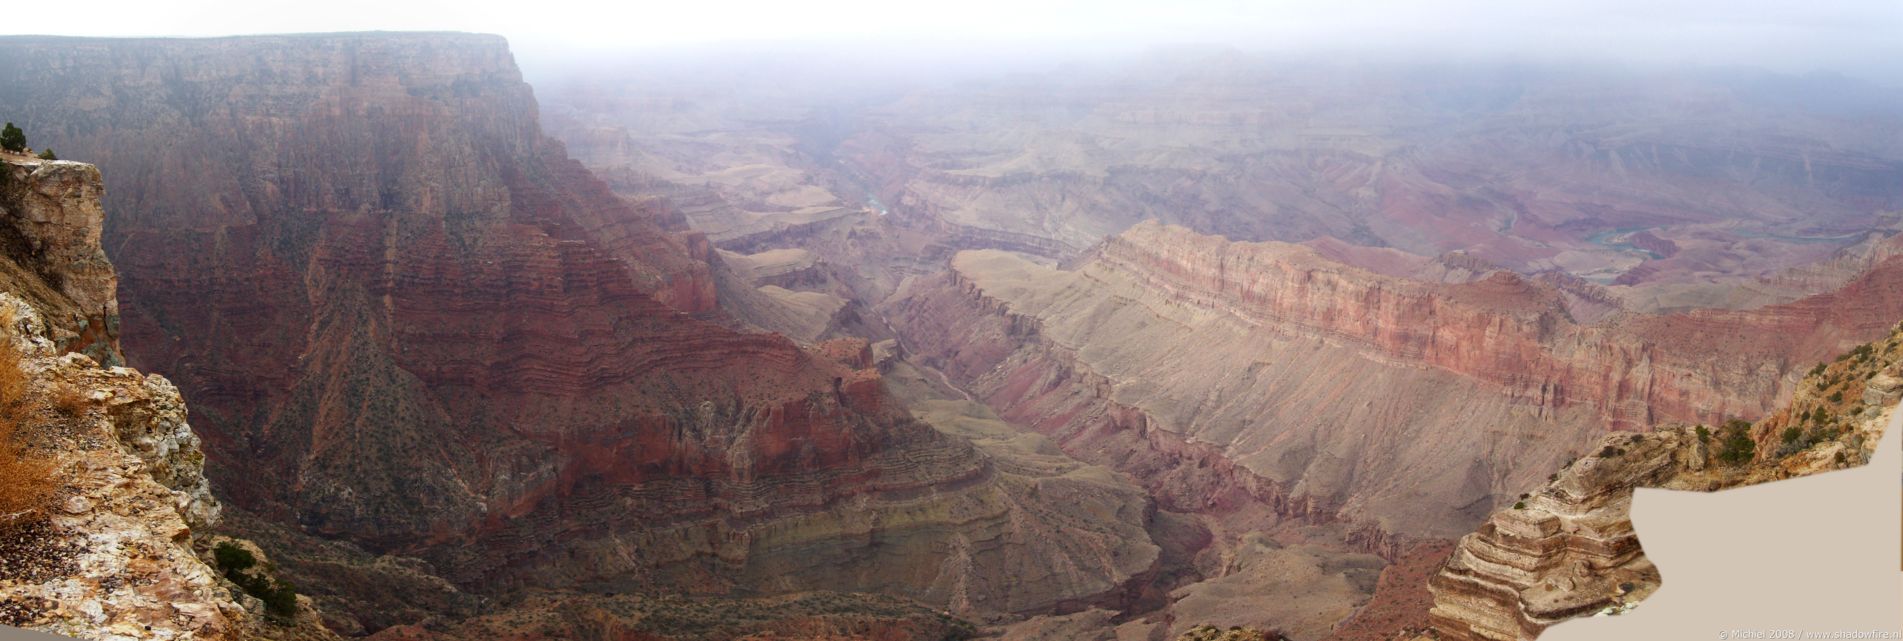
47, 154
12, 139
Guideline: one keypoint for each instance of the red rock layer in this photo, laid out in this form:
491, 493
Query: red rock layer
403, 317
1563, 382
1516, 332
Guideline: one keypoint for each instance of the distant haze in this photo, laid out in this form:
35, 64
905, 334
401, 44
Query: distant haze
1858, 37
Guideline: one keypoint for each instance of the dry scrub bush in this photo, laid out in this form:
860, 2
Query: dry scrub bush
26, 478
70, 401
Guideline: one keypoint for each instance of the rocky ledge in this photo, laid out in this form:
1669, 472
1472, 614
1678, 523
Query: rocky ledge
104, 506
1568, 549
52, 224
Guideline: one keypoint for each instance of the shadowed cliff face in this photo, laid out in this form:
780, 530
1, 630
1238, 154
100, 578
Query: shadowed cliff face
404, 317
310, 222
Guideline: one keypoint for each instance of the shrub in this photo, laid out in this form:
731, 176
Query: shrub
1738, 447
280, 600
1818, 370
1704, 434
1791, 434
236, 562
232, 557
70, 400
1837, 396
1520, 505
47, 154
26, 478
12, 139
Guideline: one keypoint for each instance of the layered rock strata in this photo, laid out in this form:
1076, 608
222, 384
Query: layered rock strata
53, 225
407, 320
1340, 390
1568, 549
1510, 331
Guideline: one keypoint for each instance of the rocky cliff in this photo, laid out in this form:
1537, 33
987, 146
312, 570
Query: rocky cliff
406, 320
52, 231
1341, 391
107, 537
1511, 331
1567, 549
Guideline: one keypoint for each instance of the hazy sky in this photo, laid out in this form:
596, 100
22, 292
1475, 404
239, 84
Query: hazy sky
1860, 36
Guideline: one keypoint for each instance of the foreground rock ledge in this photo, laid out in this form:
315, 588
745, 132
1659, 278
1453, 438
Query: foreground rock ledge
1568, 549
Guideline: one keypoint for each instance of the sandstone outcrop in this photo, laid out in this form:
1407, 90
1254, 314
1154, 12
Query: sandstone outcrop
53, 221
113, 559
1568, 548
113, 551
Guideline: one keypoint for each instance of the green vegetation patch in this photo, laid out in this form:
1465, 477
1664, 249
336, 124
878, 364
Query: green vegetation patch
240, 566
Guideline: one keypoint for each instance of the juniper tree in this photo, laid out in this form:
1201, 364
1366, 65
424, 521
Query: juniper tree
12, 139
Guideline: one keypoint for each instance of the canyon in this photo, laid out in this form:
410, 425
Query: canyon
383, 289
1601, 173
1141, 351
1501, 370
1361, 311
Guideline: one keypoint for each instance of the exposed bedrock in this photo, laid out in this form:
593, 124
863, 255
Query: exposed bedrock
107, 504
51, 227
1514, 332
406, 319
1217, 371
1568, 548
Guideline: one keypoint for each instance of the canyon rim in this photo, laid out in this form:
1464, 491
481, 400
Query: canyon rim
383, 335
